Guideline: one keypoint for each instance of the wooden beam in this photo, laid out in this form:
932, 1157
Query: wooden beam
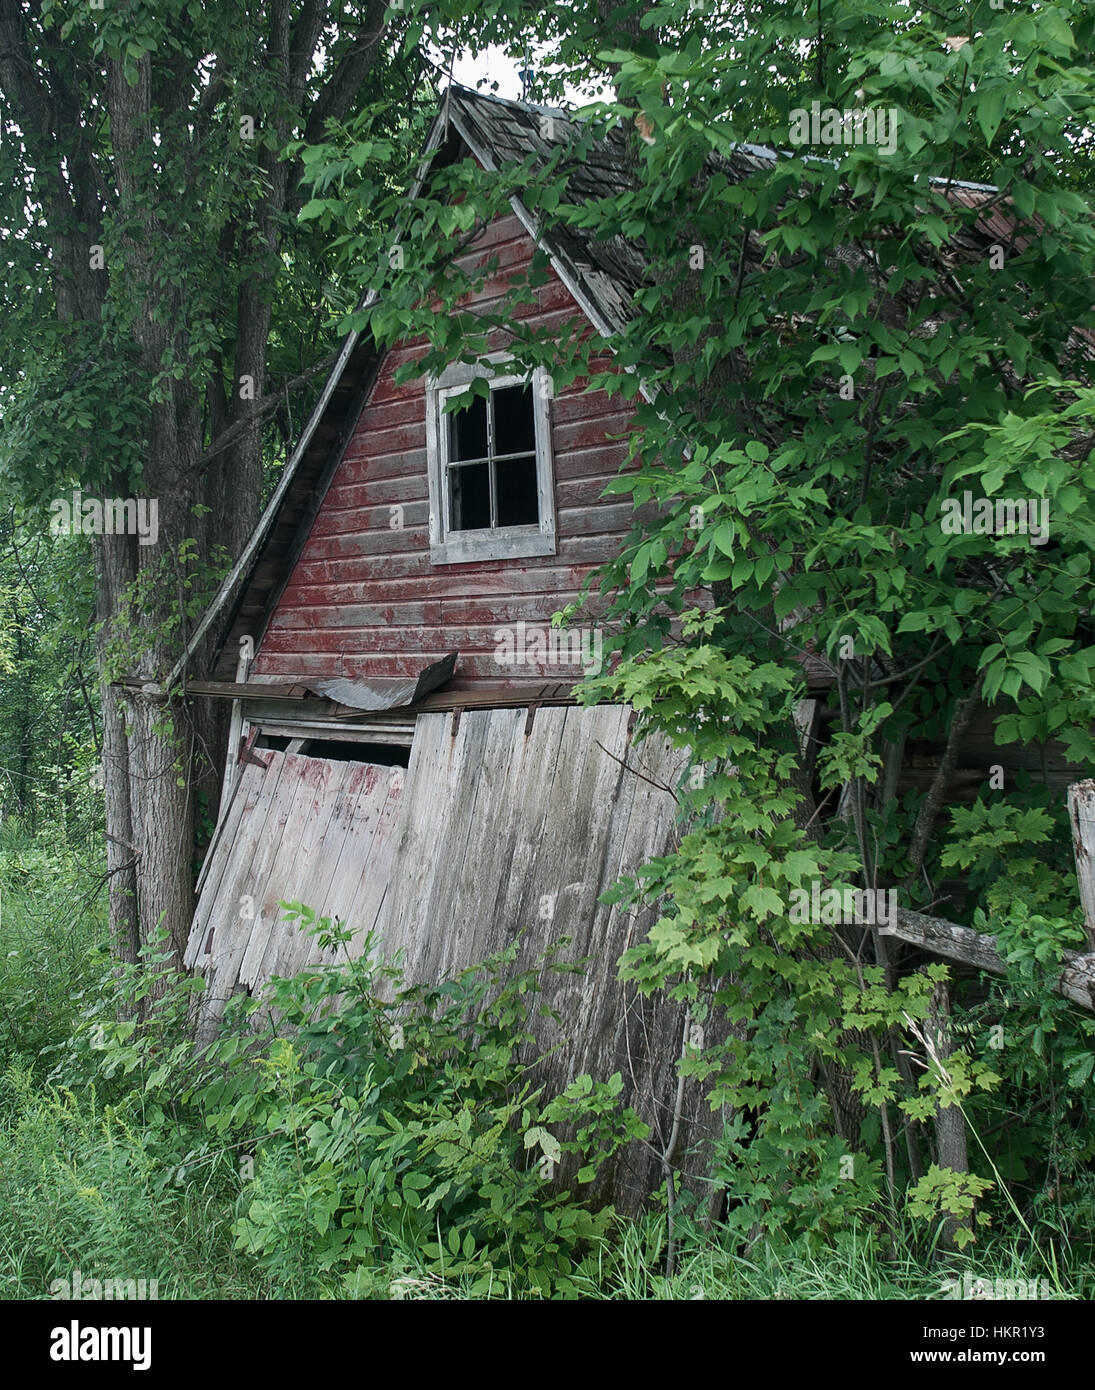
942, 938
228, 690
235, 725
1081, 812
479, 696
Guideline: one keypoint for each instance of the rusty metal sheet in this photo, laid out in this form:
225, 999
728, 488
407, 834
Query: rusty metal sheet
387, 692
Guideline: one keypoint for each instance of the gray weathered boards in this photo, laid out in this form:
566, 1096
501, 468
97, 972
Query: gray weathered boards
493, 828
303, 829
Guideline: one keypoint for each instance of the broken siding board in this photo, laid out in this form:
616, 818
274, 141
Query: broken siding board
252, 880
380, 791
320, 831
301, 878
221, 903
378, 866
525, 889
246, 878
519, 781
224, 832
443, 788
346, 851
318, 783
398, 736
591, 793
234, 853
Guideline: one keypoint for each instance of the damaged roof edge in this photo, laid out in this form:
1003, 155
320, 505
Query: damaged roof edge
266, 521
576, 279
250, 551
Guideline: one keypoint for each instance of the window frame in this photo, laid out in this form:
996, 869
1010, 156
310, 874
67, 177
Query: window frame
449, 547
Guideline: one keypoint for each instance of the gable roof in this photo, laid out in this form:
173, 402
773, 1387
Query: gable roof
601, 276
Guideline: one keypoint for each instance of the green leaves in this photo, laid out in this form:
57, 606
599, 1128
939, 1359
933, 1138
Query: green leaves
989, 107
359, 1144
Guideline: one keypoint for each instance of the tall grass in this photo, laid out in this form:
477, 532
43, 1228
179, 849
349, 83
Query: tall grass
109, 1175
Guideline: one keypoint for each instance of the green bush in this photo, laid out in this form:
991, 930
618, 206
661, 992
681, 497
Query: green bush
395, 1127
54, 939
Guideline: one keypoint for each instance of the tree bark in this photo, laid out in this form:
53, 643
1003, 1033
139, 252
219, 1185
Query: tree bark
98, 146
1081, 813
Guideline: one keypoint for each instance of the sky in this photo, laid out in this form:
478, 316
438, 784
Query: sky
492, 64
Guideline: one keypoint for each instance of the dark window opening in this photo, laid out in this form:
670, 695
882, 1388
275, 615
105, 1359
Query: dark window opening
340, 750
385, 754
517, 494
470, 497
514, 423
274, 741
491, 463
469, 430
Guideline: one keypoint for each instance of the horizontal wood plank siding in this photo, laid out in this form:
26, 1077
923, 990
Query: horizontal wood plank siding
364, 599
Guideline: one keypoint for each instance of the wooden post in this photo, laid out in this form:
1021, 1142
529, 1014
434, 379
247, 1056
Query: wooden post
235, 727
950, 1125
1081, 812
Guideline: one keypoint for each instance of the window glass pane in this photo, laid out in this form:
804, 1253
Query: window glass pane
468, 431
470, 497
514, 425
515, 480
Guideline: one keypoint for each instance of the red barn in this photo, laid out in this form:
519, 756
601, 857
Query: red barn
406, 752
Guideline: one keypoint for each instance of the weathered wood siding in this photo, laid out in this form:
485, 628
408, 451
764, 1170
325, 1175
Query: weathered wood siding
493, 831
299, 829
503, 831
364, 599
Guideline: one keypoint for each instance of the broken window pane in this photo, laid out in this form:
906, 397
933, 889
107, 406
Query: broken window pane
515, 484
514, 424
468, 431
470, 497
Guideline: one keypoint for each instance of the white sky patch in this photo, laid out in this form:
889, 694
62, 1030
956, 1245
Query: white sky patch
492, 65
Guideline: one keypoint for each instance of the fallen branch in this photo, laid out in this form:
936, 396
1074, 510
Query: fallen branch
261, 407
1076, 980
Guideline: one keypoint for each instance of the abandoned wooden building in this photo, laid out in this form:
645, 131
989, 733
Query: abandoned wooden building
406, 752
393, 763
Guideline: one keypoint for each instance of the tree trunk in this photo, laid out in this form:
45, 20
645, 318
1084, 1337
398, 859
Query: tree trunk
105, 143
115, 569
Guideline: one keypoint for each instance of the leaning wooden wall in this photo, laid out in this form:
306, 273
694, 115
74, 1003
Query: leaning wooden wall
497, 828
548, 820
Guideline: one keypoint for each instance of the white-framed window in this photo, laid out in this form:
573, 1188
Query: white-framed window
492, 494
